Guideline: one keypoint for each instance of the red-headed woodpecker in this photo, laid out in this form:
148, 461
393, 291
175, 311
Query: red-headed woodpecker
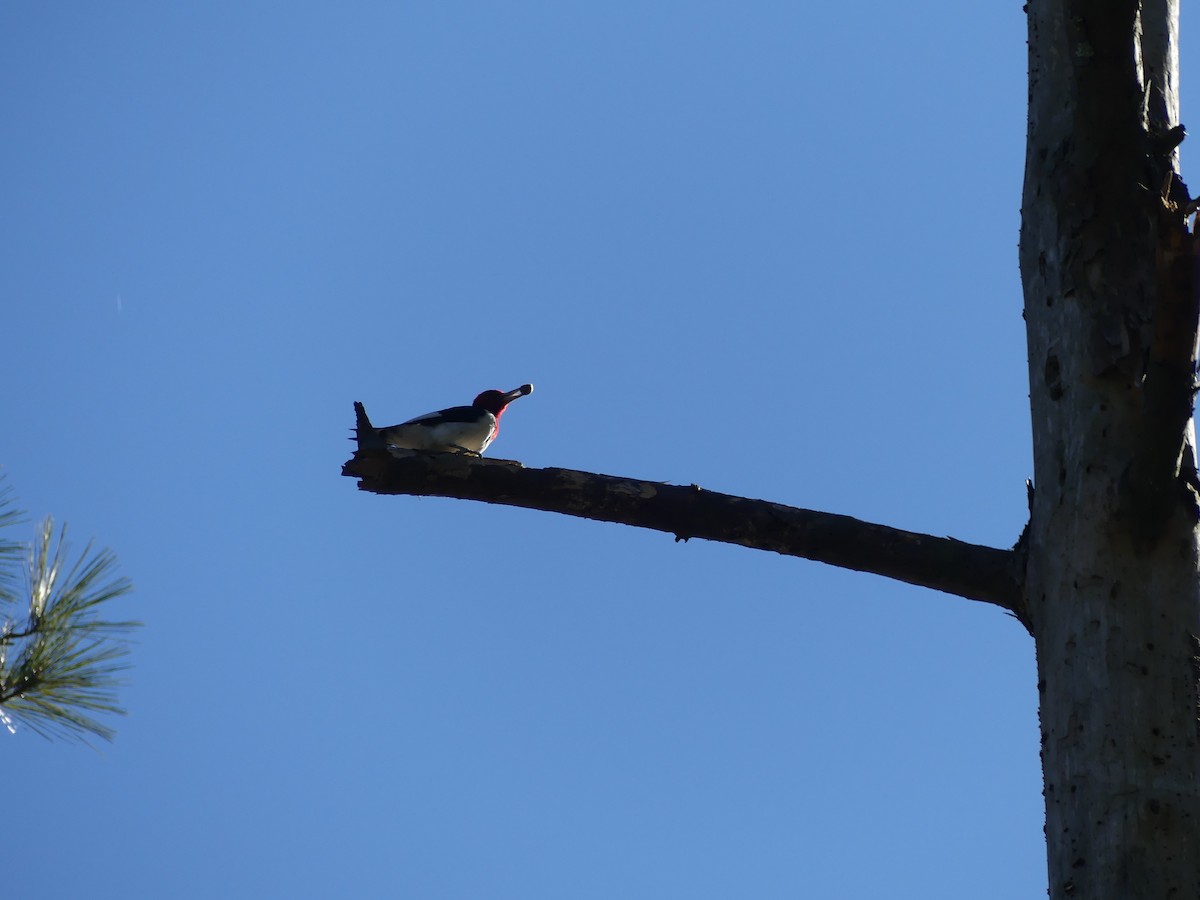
459, 429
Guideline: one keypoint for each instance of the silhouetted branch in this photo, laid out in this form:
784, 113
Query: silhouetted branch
968, 570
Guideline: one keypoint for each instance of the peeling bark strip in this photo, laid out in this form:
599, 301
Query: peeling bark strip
1153, 483
968, 570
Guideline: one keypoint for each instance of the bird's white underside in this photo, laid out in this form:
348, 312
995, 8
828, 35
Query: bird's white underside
445, 436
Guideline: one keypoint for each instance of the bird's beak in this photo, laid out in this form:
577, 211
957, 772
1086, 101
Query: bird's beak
518, 392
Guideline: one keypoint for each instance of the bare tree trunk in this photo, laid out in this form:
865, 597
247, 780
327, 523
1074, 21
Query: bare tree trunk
1108, 268
1107, 574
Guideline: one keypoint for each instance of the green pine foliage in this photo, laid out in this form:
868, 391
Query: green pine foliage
11, 552
61, 659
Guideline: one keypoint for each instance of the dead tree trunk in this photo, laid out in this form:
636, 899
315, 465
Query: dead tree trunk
1107, 574
1111, 585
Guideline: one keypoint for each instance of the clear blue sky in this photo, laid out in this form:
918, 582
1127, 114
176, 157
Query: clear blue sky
769, 248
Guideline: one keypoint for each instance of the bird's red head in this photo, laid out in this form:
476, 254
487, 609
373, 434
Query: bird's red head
495, 401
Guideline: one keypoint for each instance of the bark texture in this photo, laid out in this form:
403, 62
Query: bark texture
1109, 273
956, 567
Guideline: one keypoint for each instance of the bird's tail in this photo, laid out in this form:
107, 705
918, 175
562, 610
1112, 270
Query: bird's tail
365, 433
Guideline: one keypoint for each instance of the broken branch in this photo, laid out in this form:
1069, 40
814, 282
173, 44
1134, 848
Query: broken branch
968, 570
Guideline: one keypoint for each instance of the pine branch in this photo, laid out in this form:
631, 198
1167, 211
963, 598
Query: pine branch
60, 666
11, 552
968, 570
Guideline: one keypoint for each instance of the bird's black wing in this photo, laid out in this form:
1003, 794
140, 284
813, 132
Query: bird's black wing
453, 414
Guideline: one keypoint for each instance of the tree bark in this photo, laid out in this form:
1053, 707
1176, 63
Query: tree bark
1109, 273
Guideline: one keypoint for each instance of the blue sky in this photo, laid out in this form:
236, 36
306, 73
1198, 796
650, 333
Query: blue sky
768, 248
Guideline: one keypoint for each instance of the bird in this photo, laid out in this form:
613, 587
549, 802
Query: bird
459, 429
